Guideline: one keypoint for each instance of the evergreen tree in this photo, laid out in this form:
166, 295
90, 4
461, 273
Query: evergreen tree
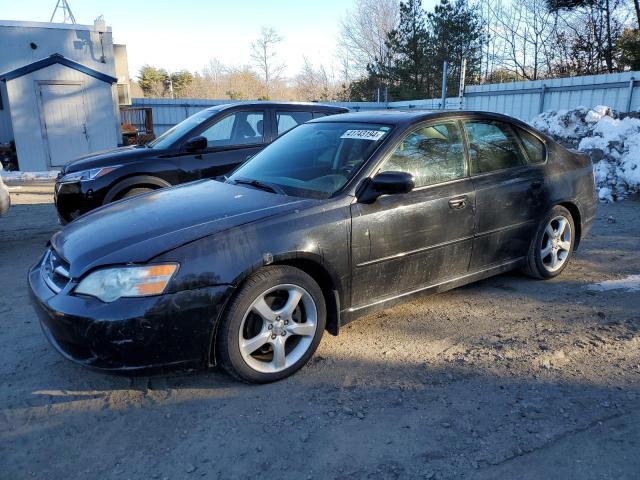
418, 48
456, 34
152, 81
408, 70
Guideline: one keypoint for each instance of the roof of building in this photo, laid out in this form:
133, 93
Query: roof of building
56, 58
49, 25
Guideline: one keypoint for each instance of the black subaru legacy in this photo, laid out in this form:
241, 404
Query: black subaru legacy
208, 144
336, 219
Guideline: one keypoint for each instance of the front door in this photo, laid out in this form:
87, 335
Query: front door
64, 122
403, 243
232, 140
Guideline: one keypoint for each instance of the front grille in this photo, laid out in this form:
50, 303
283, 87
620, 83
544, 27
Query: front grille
55, 271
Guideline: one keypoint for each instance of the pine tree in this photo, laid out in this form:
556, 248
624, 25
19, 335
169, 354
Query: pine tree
408, 71
456, 34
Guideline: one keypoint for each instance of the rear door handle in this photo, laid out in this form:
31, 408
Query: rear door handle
458, 203
536, 184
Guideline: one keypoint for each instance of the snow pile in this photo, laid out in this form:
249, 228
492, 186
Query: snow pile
28, 176
611, 140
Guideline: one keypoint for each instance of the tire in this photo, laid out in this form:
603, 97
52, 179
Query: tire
136, 191
272, 326
547, 244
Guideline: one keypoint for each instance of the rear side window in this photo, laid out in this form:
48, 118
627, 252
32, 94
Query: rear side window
319, 114
240, 128
534, 147
432, 154
492, 146
287, 120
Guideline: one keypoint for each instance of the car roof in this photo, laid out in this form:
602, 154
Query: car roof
308, 106
411, 116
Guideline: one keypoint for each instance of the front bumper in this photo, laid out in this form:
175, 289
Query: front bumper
128, 334
74, 199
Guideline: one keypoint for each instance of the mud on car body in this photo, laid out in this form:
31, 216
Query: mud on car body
338, 218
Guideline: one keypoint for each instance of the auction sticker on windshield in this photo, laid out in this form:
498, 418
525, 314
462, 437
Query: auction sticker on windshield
363, 134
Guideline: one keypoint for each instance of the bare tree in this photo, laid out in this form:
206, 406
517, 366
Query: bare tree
523, 36
265, 57
363, 35
314, 83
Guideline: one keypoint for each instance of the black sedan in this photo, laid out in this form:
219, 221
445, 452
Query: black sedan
208, 144
338, 218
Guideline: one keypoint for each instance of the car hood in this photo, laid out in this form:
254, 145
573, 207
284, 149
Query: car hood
137, 229
106, 158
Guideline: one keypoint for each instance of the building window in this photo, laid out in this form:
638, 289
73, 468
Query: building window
123, 94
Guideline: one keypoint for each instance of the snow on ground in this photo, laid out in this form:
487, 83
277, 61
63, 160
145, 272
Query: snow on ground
630, 284
611, 140
29, 176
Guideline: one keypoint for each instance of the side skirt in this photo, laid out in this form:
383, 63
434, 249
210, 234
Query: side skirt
351, 314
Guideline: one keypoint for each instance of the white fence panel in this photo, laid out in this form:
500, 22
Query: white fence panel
525, 100
522, 100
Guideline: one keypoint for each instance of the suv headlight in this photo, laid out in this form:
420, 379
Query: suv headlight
84, 175
109, 284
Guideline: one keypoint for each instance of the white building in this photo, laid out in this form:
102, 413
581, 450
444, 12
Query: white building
58, 91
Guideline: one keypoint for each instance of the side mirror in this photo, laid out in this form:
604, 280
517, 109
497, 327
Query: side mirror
387, 183
196, 144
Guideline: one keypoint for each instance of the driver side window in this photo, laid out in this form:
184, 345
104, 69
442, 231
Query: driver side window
432, 154
240, 128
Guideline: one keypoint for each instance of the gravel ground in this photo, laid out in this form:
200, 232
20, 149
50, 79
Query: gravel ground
505, 378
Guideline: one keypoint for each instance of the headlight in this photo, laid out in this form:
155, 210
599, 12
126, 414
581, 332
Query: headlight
110, 284
88, 174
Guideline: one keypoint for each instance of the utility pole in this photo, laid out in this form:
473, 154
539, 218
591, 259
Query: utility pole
445, 68
66, 11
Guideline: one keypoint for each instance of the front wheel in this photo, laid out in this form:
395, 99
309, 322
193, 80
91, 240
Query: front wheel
552, 246
136, 191
272, 326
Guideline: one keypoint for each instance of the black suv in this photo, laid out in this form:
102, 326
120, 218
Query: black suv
208, 144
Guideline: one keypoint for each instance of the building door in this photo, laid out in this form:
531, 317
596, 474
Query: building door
64, 122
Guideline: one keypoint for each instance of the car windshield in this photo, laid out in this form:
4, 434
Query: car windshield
313, 160
168, 138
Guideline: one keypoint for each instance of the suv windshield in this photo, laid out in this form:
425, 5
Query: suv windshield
168, 138
315, 159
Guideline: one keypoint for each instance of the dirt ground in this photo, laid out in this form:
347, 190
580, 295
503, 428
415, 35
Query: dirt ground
506, 378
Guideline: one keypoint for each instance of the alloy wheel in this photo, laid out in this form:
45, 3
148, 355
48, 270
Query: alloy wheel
278, 328
556, 243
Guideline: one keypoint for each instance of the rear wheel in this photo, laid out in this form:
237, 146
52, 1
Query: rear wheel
272, 326
552, 246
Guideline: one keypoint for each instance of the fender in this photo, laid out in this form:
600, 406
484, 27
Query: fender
133, 181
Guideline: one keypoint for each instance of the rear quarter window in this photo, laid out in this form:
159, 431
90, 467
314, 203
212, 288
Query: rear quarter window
533, 146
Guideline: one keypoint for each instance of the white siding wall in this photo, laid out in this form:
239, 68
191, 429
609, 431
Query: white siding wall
6, 132
76, 42
20, 118
102, 120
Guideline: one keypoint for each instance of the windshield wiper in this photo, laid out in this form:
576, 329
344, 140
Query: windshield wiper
260, 185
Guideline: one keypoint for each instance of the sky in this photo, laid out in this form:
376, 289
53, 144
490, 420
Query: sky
186, 34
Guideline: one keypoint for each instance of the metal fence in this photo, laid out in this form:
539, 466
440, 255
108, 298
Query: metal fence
522, 100
525, 100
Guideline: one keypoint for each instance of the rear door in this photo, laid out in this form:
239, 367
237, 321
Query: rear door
509, 193
405, 242
232, 139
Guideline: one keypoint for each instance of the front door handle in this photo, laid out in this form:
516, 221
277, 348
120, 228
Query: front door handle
458, 203
536, 184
